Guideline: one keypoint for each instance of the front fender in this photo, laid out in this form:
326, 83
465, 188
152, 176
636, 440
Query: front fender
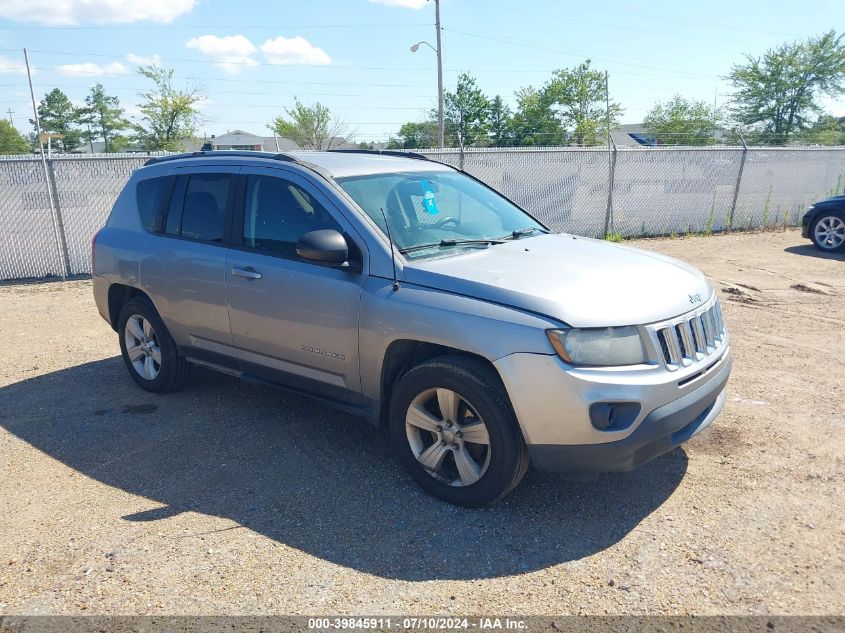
433, 316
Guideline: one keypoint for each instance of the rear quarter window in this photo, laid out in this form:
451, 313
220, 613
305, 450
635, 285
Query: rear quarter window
150, 194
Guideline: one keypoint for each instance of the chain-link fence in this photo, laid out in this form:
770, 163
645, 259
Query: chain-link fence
658, 190
47, 230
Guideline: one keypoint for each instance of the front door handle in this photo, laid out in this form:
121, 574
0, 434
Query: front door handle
247, 273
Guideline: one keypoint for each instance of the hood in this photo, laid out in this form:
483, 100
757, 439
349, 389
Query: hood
580, 281
831, 200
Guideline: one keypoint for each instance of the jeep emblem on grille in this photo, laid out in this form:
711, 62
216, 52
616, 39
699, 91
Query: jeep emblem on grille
696, 298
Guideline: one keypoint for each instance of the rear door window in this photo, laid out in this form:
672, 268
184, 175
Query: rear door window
204, 207
152, 193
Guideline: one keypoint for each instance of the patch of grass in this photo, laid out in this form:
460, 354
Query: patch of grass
767, 205
708, 229
614, 236
787, 216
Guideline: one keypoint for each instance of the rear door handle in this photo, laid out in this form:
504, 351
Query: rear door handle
247, 273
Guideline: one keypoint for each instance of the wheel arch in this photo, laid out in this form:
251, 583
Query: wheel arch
118, 295
404, 354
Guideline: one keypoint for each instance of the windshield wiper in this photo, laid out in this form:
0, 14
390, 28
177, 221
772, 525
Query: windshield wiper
442, 243
528, 230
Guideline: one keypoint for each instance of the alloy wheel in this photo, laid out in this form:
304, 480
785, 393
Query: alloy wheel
830, 232
142, 347
448, 437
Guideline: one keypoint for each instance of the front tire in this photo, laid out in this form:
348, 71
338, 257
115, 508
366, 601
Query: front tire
454, 431
828, 232
148, 350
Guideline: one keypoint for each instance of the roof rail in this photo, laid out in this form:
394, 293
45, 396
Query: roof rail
384, 152
246, 153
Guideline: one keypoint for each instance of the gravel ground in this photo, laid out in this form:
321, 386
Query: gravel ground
228, 498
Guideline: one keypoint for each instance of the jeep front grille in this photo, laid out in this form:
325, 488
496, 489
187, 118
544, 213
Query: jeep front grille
691, 337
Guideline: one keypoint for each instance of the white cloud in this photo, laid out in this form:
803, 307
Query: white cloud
294, 50
92, 70
232, 53
140, 60
72, 12
9, 66
408, 4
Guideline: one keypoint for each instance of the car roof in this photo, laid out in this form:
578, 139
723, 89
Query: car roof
352, 163
336, 164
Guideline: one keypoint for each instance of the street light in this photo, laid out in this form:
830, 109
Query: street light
416, 47
439, 51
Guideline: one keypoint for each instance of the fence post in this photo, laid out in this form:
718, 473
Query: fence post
61, 238
611, 161
738, 182
50, 199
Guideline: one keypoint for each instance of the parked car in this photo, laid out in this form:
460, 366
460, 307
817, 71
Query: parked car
411, 293
824, 224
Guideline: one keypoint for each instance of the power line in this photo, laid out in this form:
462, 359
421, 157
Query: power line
604, 26
575, 54
253, 63
238, 63
664, 18
229, 27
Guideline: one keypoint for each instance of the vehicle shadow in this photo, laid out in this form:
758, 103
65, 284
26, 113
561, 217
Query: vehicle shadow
307, 476
809, 250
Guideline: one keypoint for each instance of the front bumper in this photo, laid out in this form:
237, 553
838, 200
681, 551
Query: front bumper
806, 220
552, 404
662, 430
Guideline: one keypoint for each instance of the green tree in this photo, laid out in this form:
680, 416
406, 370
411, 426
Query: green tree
104, 114
680, 121
776, 94
413, 135
169, 115
119, 142
534, 123
11, 141
58, 115
499, 123
311, 127
577, 96
827, 130
465, 112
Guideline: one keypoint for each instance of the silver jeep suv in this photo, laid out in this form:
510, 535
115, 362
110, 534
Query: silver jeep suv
413, 294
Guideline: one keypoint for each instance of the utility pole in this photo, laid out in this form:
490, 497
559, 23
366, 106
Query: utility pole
440, 129
441, 132
11, 112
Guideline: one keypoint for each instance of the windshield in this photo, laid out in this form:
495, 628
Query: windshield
430, 211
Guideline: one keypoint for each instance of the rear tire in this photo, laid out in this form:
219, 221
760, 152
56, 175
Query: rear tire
828, 232
148, 350
454, 430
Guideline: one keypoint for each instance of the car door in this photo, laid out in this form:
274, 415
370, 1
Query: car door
293, 321
184, 264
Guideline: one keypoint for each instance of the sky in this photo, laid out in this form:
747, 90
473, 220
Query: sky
252, 57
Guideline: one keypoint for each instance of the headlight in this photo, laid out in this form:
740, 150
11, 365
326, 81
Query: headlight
605, 346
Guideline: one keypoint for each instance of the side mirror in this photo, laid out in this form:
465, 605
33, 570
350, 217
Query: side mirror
325, 246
